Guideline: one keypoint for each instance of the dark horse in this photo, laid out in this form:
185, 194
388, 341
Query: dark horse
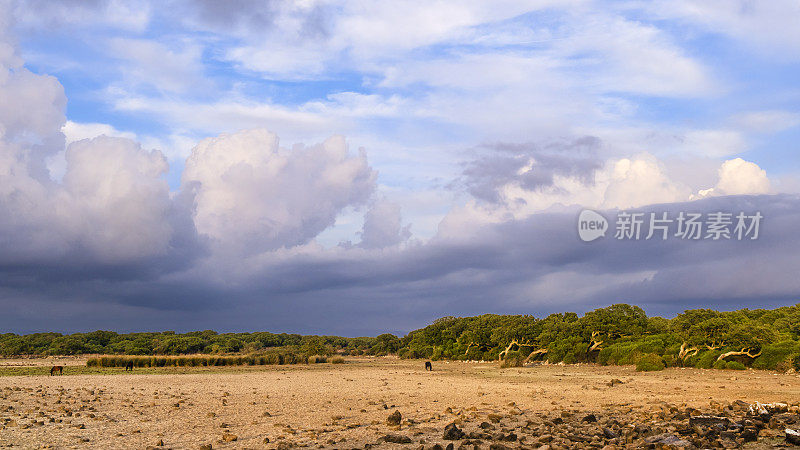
59, 369
129, 366
428, 365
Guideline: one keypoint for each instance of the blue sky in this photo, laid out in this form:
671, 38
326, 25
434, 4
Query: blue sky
447, 111
101, 58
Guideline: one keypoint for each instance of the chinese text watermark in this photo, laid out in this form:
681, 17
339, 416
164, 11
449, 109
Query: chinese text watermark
715, 226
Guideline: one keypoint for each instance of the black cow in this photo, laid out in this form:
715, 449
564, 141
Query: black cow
129, 366
428, 365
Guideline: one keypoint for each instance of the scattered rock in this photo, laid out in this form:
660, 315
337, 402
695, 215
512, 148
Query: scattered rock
709, 421
749, 434
792, 436
228, 437
397, 439
610, 433
394, 418
669, 441
510, 437
453, 433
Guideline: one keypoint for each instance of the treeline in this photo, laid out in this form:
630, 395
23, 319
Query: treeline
619, 334
197, 342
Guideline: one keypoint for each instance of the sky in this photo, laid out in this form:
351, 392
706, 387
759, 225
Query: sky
355, 168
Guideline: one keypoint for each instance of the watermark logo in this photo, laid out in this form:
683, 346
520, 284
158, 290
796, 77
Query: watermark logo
636, 226
591, 225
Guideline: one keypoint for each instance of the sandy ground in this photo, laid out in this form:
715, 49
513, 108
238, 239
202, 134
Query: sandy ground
345, 405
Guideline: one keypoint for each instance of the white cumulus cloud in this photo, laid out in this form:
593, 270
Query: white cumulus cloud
383, 226
738, 177
75, 131
253, 196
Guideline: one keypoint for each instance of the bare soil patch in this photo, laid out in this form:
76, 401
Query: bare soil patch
347, 406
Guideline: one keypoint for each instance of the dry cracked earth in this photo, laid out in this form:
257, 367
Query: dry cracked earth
388, 403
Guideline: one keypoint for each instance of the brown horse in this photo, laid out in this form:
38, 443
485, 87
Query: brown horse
129, 366
59, 369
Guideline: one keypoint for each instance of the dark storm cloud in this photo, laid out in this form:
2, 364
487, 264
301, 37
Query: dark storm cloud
536, 266
530, 165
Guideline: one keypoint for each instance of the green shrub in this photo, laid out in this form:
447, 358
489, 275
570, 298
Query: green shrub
336, 360
735, 365
720, 364
706, 360
776, 356
649, 363
514, 361
193, 361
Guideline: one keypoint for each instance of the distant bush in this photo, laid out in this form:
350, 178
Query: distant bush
706, 360
777, 355
649, 363
336, 360
670, 360
195, 361
206, 342
512, 359
317, 359
735, 365
316, 345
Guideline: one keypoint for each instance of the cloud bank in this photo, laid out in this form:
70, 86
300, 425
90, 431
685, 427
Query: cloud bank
229, 231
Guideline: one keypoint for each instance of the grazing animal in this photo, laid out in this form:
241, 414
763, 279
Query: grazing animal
428, 365
129, 366
59, 369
